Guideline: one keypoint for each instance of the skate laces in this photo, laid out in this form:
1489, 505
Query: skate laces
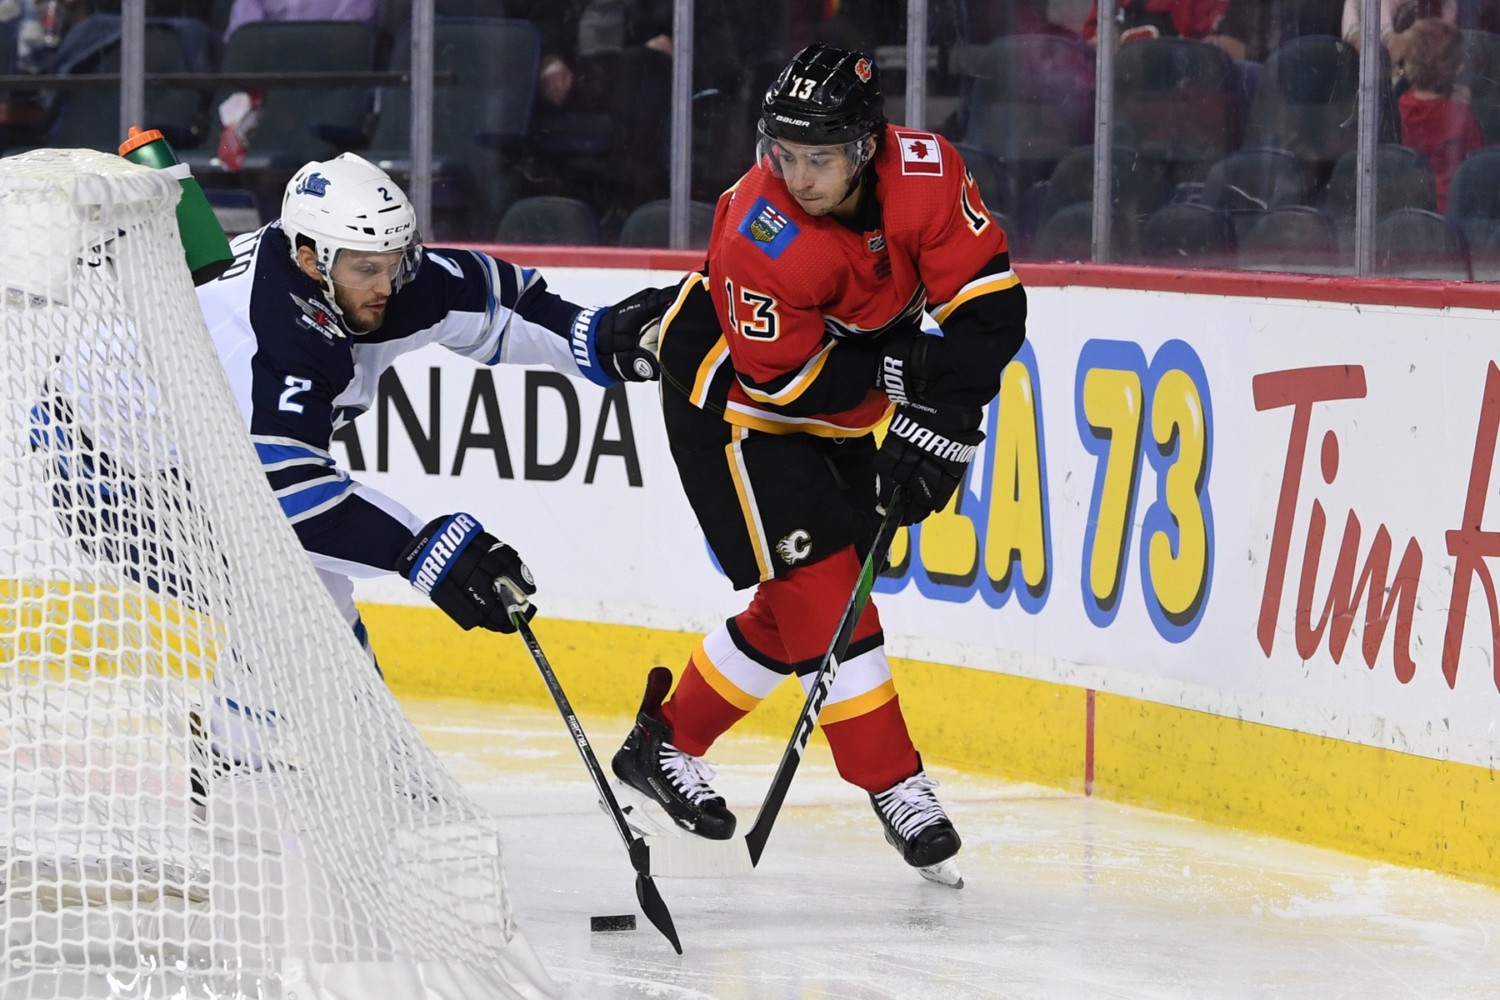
909, 806
688, 773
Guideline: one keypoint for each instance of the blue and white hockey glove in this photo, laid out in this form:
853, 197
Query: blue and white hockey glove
618, 343
468, 572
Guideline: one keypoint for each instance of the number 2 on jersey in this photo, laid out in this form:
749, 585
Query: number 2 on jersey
752, 313
294, 385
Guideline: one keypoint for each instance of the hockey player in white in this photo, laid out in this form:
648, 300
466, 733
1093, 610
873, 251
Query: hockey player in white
318, 304
315, 307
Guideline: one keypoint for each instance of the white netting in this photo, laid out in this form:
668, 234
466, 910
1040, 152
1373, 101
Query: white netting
158, 621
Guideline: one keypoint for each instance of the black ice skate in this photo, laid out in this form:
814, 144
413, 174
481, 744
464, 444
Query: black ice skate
673, 780
916, 825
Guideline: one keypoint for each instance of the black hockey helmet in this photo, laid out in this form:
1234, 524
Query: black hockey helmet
824, 97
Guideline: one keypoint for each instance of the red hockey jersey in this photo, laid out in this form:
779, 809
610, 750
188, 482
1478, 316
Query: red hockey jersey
791, 290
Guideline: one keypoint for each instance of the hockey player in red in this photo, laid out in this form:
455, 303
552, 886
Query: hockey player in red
799, 337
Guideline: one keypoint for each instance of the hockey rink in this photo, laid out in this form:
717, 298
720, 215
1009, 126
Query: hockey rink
1066, 897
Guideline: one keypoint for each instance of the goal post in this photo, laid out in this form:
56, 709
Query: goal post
205, 787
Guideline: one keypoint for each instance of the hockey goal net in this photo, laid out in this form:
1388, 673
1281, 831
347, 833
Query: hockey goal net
205, 788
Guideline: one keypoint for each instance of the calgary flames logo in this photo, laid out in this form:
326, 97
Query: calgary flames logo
862, 70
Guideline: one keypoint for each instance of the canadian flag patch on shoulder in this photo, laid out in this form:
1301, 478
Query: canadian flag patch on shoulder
920, 153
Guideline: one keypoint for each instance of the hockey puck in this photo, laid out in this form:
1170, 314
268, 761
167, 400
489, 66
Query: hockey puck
623, 922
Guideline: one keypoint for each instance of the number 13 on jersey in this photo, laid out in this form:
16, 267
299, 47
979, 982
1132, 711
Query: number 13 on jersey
752, 313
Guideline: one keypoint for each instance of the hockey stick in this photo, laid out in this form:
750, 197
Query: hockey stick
696, 857
652, 905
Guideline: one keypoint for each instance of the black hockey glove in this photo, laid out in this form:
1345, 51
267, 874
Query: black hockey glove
468, 572
618, 342
911, 369
927, 453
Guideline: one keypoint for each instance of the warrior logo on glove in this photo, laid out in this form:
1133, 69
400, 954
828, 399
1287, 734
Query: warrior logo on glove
434, 565
469, 573
619, 342
931, 441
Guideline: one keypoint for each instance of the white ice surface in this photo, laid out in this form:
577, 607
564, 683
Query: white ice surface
1066, 897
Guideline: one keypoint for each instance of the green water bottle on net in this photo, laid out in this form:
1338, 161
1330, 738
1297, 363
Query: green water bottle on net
203, 240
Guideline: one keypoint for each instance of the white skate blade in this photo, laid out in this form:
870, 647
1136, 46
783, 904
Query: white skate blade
643, 814
943, 873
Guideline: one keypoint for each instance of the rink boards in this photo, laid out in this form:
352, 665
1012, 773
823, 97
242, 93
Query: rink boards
1225, 551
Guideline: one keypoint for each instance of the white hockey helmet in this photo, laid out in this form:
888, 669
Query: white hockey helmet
348, 203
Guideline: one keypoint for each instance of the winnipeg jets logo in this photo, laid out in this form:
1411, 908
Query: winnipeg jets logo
795, 547
316, 316
314, 184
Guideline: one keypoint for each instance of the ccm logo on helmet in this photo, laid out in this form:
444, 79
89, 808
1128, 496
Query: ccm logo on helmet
442, 548
933, 443
314, 184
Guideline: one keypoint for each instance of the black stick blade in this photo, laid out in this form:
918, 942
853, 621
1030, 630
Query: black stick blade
655, 909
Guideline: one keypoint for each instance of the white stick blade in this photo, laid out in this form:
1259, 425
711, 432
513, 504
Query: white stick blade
694, 857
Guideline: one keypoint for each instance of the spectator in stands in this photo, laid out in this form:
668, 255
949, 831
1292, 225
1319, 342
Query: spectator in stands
245, 11
1395, 17
44, 25
1436, 119
57, 37
603, 111
604, 108
1252, 29
240, 112
983, 21
1139, 19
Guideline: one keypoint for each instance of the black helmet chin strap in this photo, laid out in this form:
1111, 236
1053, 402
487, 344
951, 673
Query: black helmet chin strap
864, 165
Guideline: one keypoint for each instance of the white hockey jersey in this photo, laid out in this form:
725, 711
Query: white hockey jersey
298, 376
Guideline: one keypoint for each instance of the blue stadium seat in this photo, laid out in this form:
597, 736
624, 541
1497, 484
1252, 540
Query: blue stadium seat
1415, 243
1188, 235
1179, 101
1030, 100
1066, 235
1403, 179
298, 124
478, 120
1251, 182
648, 225
550, 220
1305, 101
1139, 187
1474, 196
1296, 238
